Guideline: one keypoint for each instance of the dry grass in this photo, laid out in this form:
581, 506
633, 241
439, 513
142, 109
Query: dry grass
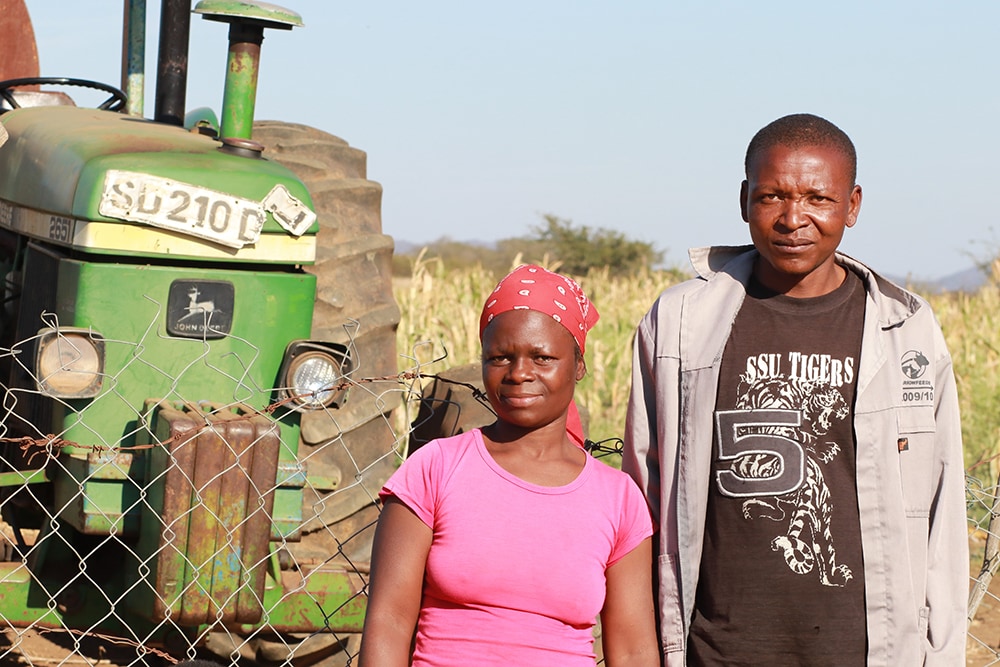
971, 325
440, 320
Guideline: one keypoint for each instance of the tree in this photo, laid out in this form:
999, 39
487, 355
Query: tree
579, 248
557, 244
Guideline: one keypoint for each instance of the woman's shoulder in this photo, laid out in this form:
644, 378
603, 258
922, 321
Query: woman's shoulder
448, 448
612, 477
466, 440
621, 500
431, 466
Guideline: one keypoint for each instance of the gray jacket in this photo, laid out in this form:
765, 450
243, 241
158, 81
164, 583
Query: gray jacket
911, 499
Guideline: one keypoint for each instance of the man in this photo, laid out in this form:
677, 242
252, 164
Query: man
794, 424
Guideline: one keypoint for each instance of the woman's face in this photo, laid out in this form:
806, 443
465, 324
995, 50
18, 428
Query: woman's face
530, 368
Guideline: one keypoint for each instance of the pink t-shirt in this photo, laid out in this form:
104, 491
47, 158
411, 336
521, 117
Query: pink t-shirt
515, 573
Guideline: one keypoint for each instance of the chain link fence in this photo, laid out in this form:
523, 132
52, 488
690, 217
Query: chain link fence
176, 527
194, 529
984, 597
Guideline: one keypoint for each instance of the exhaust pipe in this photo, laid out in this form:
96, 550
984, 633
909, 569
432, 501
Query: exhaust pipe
172, 64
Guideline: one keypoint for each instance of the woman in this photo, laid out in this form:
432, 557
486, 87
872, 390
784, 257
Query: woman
501, 545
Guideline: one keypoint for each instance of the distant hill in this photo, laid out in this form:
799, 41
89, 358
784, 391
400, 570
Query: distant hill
406, 247
411, 248
968, 280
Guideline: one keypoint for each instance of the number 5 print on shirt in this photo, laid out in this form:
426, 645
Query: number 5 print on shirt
763, 463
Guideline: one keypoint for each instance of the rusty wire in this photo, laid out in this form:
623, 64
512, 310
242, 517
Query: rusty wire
31, 447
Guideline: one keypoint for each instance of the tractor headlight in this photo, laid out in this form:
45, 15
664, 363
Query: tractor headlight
313, 375
69, 363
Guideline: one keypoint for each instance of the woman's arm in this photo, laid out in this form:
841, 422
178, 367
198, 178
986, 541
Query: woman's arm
399, 555
628, 626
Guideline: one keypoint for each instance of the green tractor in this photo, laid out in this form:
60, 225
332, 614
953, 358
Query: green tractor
189, 460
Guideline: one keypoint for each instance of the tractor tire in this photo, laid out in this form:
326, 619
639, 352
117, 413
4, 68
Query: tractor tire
353, 447
455, 402
449, 406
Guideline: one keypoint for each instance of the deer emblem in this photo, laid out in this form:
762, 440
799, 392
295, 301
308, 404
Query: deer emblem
196, 307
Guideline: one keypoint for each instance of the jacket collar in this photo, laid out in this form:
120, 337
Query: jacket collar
893, 304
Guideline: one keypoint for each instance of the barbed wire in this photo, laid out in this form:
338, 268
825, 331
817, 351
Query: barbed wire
31, 447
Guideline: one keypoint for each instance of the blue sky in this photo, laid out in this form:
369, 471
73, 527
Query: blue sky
478, 118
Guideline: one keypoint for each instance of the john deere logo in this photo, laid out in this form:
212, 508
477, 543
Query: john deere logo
200, 308
914, 364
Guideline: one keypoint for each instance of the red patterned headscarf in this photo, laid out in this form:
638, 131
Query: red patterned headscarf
530, 287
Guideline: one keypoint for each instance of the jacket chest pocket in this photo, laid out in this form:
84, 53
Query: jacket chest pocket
915, 429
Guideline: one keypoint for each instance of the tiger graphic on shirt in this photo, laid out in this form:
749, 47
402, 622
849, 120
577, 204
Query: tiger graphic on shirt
805, 512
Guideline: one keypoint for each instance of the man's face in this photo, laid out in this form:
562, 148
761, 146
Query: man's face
798, 202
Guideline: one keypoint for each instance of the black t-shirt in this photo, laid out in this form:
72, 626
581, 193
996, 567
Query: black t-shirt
782, 579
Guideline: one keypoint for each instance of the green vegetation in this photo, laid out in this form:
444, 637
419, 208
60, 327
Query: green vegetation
557, 244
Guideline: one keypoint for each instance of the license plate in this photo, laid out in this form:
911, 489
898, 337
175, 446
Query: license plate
182, 207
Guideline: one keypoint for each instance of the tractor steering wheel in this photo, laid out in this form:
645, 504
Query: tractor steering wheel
115, 102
